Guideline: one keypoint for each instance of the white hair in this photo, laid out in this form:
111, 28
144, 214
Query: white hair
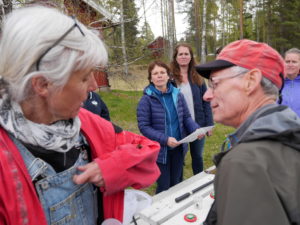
27, 34
239, 69
269, 88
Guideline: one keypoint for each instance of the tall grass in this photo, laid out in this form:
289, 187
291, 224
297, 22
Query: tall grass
122, 107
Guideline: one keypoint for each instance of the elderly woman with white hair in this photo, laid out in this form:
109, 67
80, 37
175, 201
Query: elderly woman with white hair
59, 163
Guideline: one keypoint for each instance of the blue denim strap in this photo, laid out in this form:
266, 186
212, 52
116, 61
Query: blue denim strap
36, 167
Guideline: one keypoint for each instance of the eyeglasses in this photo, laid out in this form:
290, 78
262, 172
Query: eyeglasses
58, 41
213, 81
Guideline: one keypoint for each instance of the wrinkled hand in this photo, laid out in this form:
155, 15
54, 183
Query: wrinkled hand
172, 142
90, 173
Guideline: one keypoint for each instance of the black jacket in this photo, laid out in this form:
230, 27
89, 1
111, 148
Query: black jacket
95, 104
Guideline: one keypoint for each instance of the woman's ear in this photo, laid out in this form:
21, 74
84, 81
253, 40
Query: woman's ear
252, 80
40, 85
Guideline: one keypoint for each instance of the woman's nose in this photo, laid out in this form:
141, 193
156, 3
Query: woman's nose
92, 83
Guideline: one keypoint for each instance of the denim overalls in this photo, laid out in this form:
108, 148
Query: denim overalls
63, 201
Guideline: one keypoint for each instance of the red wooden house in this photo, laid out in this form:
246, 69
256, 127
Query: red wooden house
157, 47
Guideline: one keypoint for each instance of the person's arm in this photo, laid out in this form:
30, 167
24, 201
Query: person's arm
144, 118
19, 201
132, 164
124, 159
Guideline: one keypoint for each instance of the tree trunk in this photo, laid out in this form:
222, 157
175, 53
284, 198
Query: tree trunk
2, 11
163, 24
264, 29
174, 26
203, 46
171, 29
5, 8
257, 20
214, 35
144, 9
269, 23
197, 27
241, 19
125, 63
223, 22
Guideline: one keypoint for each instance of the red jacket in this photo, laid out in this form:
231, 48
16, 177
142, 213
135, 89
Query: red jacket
125, 159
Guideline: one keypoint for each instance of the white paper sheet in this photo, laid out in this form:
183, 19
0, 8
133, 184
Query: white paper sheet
193, 136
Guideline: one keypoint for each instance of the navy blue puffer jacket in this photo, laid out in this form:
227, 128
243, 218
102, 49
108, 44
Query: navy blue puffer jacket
151, 116
203, 114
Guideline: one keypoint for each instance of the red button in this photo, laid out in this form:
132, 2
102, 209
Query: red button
190, 217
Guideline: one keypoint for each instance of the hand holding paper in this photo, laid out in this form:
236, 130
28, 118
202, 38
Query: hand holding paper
193, 136
172, 142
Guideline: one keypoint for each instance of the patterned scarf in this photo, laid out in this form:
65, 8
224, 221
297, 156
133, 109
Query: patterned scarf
60, 136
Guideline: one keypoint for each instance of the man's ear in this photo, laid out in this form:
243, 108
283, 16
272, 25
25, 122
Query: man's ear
252, 80
40, 85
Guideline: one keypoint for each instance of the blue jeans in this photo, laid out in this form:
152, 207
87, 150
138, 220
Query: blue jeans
196, 149
171, 172
63, 201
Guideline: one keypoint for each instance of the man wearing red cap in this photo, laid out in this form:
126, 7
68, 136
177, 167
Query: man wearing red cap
258, 173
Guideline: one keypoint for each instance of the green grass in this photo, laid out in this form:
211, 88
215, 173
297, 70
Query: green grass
122, 107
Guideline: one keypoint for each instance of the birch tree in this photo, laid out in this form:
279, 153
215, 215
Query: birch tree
203, 38
123, 41
171, 29
241, 19
168, 26
163, 9
197, 26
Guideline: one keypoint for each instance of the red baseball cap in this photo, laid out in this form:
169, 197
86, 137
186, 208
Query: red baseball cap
248, 54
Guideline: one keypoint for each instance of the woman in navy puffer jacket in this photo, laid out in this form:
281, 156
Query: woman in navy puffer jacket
163, 116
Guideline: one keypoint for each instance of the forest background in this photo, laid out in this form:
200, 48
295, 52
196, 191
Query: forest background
210, 24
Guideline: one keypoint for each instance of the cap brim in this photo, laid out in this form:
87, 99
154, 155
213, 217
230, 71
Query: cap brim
205, 69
